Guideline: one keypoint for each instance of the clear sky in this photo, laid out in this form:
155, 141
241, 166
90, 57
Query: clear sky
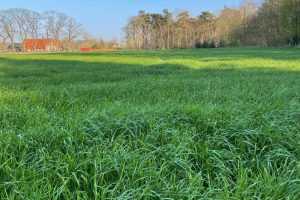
105, 18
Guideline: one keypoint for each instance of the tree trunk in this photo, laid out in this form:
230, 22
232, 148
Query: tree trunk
168, 37
69, 44
4, 47
12, 43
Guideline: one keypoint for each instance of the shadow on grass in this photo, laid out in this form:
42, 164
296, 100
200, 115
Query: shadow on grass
44, 73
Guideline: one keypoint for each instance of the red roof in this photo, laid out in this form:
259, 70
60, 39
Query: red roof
32, 44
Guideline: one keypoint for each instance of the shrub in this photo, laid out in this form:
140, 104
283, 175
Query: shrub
198, 45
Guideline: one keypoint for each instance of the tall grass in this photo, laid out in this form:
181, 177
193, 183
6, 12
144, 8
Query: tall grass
188, 124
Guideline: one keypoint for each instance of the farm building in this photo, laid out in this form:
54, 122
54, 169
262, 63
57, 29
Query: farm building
41, 45
16, 47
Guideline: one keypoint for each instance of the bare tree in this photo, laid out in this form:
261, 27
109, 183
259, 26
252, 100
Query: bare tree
3, 42
8, 26
157, 30
21, 18
167, 16
248, 10
183, 26
207, 22
34, 23
73, 30
55, 24
228, 20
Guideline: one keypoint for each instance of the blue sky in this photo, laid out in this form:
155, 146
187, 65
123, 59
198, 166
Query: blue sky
105, 18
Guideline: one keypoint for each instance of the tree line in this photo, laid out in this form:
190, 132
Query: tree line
20, 24
272, 23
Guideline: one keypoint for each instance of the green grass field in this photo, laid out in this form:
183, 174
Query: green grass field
182, 124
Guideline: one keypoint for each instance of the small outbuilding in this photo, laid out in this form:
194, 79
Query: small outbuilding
16, 47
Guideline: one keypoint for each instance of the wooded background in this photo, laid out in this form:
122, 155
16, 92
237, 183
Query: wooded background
272, 23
